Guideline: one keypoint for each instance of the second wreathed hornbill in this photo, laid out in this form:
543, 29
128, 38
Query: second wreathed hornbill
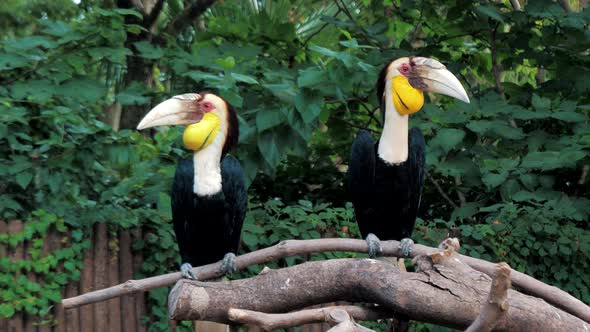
386, 179
208, 192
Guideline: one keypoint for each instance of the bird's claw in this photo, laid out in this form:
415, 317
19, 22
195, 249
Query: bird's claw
406, 246
186, 271
227, 264
374, 245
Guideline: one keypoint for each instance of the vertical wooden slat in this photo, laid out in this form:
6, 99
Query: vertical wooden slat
52, 243
114, 305
140, 305
16, 226
72, 321
87, 285
28, 319
101, 280
126, 273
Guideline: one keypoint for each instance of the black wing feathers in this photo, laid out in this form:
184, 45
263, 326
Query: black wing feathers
386, 197
361, 175
182, 205
208, 227
236, 199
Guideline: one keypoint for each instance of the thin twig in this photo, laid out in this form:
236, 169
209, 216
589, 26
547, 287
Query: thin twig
269, 322
348, 123
440, 190
289, 248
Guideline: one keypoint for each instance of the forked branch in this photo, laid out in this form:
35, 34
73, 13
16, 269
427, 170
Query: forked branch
528, 284
443, 291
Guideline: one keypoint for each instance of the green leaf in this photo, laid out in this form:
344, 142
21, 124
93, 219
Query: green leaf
268, 118
309, 106
148, 51
268, 148
491, 12
133, 95
227, 63
6, 310
493, 180
124, 11
569, 116
11, 61
310, 77
540, 103
23, 179
549, 160
244, 78
448, 138
199, 76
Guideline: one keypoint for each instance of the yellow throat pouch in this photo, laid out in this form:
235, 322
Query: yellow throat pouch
406, 98
199, 135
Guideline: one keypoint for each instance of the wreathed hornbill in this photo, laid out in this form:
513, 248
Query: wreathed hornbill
386, 179
208, 192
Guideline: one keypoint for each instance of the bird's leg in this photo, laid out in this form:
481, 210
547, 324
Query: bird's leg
227, 264
406, 246
186, 271
374, 245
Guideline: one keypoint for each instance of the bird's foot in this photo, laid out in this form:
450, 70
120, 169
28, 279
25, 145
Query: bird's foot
227, 264
374, 245
406, 246
186, 271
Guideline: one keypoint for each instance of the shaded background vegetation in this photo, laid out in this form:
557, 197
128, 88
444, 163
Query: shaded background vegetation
507, 174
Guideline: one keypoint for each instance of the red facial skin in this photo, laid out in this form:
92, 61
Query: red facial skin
404, 69
206, 106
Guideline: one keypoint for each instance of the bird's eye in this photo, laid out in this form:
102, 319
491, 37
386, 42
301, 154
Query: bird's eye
207, 106
405, 68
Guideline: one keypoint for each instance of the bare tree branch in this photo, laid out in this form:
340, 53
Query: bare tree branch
152, 13
288, 248
585, 171
189, 14
566, 6
497, 305
458, 183
342, 322
515, 4
138, 5
445, 292
440, 190
269, 322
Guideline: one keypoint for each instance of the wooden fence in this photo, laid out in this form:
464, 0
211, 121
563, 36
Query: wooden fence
110, 261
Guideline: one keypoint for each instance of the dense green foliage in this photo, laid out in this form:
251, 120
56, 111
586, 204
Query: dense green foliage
512, 164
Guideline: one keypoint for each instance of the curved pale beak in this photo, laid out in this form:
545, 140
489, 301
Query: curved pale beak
178, 110
432, 76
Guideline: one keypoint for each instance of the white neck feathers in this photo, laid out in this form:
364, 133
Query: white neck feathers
207, 163
393, 144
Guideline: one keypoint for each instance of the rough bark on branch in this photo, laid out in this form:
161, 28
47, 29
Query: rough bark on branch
269, 322
497, 305
288, 248
449, 295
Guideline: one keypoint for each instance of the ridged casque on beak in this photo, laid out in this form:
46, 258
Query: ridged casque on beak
178, 110
432, 76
